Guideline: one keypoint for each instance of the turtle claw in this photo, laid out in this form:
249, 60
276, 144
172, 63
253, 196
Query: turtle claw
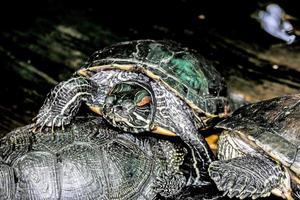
52, 128
35, 118
38, 126
50, 121
37, 129
233, 193
34, 128
244, 195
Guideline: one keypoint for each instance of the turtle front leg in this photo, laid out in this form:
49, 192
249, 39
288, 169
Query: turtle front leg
250, 176
63, 102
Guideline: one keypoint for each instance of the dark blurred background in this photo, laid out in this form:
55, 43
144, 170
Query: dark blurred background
44, 42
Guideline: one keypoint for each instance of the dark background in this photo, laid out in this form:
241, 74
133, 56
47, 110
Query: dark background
44, 42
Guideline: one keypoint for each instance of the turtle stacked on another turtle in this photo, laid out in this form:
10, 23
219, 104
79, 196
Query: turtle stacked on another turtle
145, 86
159, 87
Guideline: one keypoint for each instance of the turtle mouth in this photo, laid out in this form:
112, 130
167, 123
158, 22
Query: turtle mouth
116, 114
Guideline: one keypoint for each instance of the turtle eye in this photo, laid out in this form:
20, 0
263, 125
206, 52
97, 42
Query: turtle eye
129, 106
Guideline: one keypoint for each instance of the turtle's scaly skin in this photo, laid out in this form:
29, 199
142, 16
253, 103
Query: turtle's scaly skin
88, 160
260, 133
62, 110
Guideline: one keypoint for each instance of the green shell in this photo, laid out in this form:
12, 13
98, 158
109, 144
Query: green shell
185, 72
273, 125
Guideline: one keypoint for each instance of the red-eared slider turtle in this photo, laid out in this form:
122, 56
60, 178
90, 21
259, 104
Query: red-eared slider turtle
89, 160
143, 86
259, 150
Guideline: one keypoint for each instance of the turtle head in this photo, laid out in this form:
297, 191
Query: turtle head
130, 106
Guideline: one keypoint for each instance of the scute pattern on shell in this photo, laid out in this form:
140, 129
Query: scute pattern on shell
273, 125
88, 160
182, 69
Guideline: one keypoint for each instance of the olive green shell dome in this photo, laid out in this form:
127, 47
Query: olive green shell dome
273, 126
182, 70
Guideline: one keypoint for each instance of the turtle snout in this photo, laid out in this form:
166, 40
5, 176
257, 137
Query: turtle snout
118, 112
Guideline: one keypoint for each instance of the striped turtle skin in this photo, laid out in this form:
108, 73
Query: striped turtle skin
89, 160
259, 150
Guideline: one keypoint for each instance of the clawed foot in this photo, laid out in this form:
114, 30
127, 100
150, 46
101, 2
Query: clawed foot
246, 177
42, 121
232, 183
63, 102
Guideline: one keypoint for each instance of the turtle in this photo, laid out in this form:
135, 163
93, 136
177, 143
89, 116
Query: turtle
90, 160
259, 150
144, 86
